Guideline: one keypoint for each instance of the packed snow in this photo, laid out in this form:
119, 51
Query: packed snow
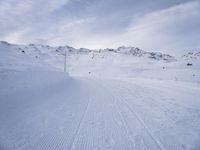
124, 98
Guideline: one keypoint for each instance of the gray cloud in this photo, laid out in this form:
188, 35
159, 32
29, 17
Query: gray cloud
177, 27
157, 24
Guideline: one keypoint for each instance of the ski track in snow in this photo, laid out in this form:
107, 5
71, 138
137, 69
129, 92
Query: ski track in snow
151, 108
96, 114
121, 99
79, 126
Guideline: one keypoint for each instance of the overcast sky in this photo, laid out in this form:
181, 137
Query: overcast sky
148, 24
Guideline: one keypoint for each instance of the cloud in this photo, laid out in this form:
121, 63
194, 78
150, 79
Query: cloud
23, 16
70, 32
176, 27
160, 24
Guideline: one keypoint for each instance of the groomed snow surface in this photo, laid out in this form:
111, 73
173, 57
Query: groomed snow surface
48, 110
104, 105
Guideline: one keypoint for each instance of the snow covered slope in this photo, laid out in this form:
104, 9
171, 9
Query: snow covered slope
112, 99
121, 62
43, 111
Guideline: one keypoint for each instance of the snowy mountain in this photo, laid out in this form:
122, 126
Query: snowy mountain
122, 61
38, 50
41, 49
37, 55
141, 53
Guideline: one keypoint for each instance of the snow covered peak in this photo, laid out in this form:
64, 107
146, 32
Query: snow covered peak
135, 51
130, 50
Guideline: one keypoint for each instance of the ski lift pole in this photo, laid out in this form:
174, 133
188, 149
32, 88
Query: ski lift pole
65, 65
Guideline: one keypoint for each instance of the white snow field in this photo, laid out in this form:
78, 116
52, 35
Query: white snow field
107, 101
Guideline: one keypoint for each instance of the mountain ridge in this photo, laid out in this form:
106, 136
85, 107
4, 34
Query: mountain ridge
127, 50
